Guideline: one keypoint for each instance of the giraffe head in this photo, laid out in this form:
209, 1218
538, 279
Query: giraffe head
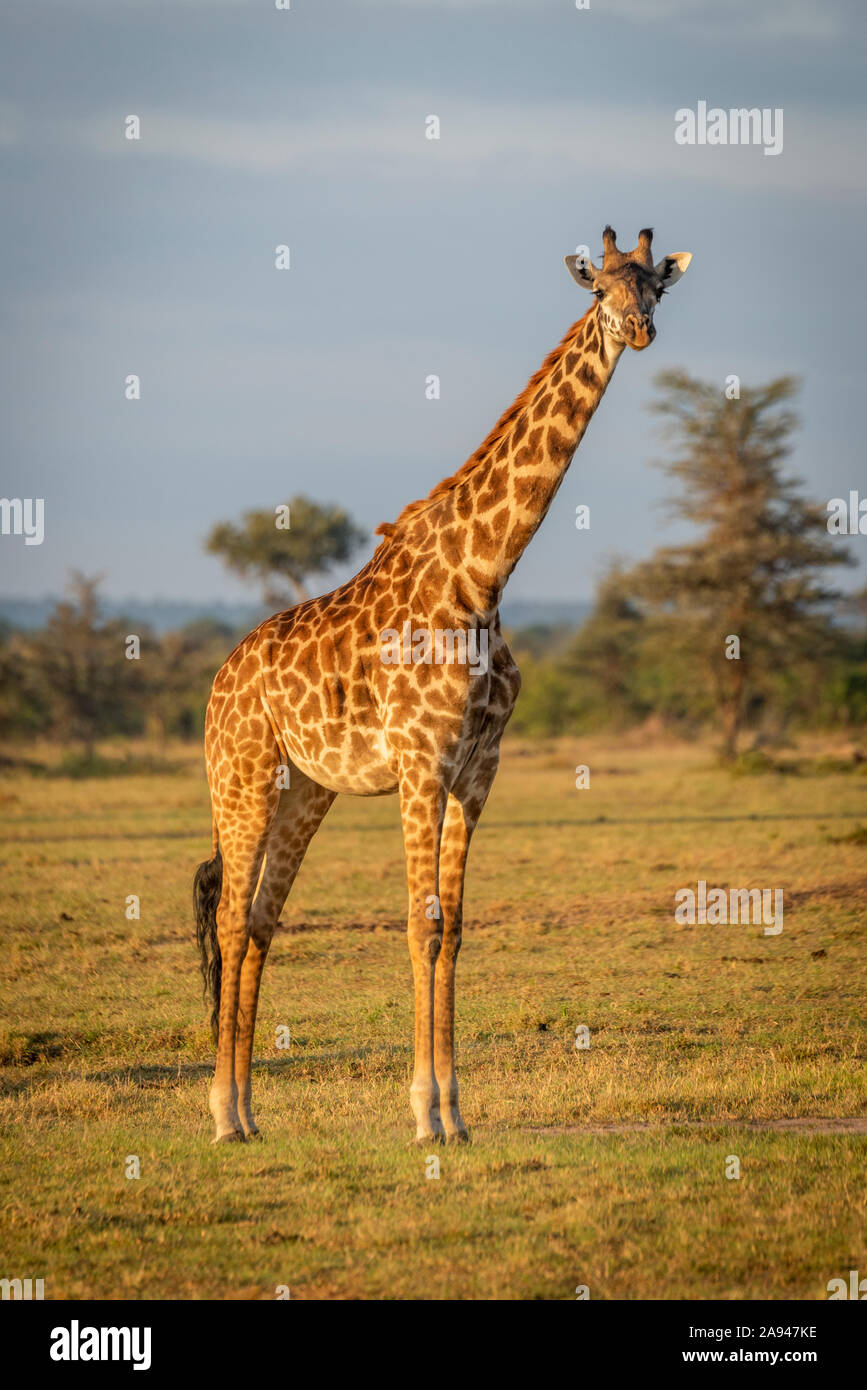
629, 286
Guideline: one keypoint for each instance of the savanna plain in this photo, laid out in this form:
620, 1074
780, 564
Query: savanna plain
601, 1166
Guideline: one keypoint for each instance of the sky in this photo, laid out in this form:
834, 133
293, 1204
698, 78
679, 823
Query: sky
409, 257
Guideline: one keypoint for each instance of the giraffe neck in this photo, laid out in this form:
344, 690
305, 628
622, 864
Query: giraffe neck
545, 436
485, 516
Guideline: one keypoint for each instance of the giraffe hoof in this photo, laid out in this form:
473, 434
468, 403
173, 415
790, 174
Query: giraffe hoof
458, 1136
251, 1134
234, 1136
423, 1141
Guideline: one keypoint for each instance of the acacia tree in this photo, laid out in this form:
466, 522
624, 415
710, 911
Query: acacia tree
754, 572
283, 548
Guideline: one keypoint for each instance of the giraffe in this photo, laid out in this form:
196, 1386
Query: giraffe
312, 698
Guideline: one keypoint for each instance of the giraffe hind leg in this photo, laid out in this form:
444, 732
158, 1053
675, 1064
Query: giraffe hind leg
300, 812
243, 821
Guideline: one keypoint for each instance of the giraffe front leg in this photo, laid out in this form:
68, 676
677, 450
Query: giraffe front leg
453, 857
444, 1034
462, 813
421, 813
223, 1095
424, 1094
248, 1002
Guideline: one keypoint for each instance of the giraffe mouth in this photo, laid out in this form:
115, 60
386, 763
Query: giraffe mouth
641, 338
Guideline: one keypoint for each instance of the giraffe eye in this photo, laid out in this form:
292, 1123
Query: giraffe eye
659, 293
599, 294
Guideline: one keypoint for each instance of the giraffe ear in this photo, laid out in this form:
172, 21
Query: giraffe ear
670, 268
581, 271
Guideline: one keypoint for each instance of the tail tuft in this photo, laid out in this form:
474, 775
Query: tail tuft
207, 887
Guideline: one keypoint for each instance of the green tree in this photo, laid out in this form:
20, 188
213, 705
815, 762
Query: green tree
754, 571
180, 674
79, 671
601, 661
281, 556
847, 678
23, 713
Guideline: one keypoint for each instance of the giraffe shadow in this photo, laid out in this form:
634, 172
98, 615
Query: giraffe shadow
303, 1061
563, 823
157, 1076
145, 1077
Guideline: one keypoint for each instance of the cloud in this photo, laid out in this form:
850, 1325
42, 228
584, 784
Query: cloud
772, 21
533, 144
799, 20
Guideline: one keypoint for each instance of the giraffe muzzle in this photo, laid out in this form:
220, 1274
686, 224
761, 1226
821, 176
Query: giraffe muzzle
638, 331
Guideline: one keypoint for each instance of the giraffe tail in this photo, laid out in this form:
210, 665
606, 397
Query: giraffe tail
207, 887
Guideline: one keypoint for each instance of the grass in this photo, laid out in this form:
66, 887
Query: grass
694, 1032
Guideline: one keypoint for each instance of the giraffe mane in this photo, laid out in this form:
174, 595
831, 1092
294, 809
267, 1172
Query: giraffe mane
497, 434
